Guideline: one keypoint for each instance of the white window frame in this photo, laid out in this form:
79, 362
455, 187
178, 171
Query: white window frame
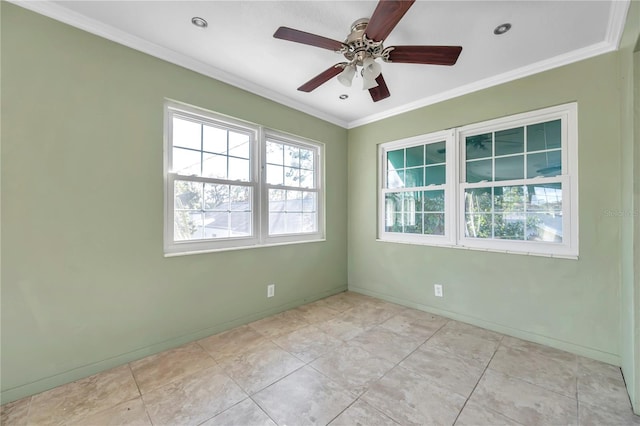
449, 199
569, 248
318, 180
260, 227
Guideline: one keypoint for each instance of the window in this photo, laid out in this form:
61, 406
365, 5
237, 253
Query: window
516, 186
233, 184
416, 202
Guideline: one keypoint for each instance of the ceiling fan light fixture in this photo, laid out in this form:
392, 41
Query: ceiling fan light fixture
368, 83
346, 77
370, 68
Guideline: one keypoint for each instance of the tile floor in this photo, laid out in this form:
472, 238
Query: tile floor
345, 360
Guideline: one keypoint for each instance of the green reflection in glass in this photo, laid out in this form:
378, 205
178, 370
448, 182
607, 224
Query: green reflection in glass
479, 146
510, 141
544, 136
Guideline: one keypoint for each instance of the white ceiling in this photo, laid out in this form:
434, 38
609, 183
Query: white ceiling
238, 46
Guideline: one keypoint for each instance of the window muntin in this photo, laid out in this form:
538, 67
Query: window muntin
516, 189
233, 184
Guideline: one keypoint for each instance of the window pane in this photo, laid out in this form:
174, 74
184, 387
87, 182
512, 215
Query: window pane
544, 227
186, 162
509, 198
276, 200
306, 159
214, 140
292, 176
436, 153
413, 177
392, 207
240, 224
186, 134
239, 144
294, 201
291, 156
544, 164
413, 223
277, 223
478, 200
215, 166
434, 223
216, 225
293, 223
239, 169
275, 152
544, 136
395, 179
544, 198
395, 159
435, 175
275, 175
477, 171
306, 179
433, 201
478, 225
216, 197
415, 156
479, 146
240, 198
510, 141
309, 202
187, 225
509, 226
187, 195
309, 222
508, 168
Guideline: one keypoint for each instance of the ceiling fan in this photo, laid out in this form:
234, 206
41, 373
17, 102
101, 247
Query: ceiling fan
363, 46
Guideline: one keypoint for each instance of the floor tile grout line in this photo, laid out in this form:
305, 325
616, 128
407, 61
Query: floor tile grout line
479, 379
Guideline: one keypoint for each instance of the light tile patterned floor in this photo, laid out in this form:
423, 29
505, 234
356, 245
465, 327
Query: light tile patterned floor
345, 360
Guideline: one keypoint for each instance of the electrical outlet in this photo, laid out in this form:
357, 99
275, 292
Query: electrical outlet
271, 290
437, 290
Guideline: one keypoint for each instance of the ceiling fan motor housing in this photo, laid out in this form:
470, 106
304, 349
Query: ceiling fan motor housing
360, 47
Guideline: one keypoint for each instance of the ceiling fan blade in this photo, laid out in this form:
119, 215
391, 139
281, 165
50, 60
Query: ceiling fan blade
434, 55
322, 78
386, 16
298, 36
381, 91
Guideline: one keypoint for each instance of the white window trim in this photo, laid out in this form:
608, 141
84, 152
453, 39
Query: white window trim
448, 238
260, 208
569, 248
318, 149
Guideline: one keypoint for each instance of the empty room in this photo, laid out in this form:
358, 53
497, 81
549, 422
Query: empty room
320, 212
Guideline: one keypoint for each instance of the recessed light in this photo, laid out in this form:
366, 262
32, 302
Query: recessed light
343, 96
502, 28
199, 22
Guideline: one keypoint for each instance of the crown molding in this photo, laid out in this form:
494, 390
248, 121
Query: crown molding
615, 28
64, 15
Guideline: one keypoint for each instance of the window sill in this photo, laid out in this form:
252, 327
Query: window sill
555, 256
247, 247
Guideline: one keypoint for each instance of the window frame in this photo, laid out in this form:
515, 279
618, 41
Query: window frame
569, 248
448, 238
257, 182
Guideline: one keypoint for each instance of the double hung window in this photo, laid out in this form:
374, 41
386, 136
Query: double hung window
233, 184
514, 186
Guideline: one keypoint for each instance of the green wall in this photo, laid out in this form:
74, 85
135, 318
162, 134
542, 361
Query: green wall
569, 304
85, 285
630, 125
